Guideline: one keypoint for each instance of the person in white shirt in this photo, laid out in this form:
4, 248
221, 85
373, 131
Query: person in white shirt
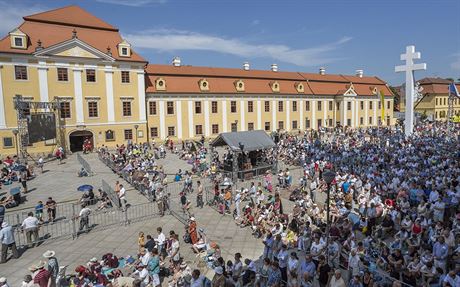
84, 218
144, 257
30, 226
160, 240
337, 280
122, 197
142, 273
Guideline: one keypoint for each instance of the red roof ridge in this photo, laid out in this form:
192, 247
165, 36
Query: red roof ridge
63, 16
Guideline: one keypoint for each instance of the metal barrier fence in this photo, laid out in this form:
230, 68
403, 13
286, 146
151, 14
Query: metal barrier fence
85, 164
97, 220
111, 194
63, 211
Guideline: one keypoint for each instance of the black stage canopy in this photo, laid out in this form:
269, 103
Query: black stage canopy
249, 141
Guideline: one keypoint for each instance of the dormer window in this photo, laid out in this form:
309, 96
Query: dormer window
275, 86
160, 84
204, 85
239, 85
18, 39
299, 87
124, 49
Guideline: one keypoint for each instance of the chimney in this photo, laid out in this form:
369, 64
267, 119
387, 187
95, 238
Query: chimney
246, 66
322, 71
359, 73
176, 62
275, 67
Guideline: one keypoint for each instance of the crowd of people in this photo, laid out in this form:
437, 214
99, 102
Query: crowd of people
393, 209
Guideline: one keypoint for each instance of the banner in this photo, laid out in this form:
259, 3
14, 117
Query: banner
41, 127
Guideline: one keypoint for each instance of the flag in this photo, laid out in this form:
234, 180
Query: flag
382, 100
453, 92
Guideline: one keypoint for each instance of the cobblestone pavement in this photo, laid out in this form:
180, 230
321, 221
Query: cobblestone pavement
60, 182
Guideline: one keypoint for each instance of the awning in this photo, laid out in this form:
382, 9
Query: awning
250, 140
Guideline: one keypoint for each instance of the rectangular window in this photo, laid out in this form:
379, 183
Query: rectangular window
280, 106
20, 72
171, 131
330, 122
109, 135
294, 106
18, 42
198, 129
379, 120
267, 126
214, 107
349, 106
234, 127
92, 110
361, 121
154, 132
215, 129
319, 105
91, 75
233, 106
388, 120
250, 106
65, 110
330, 105
445, 102
152, 108
126, 109
125, 76
294, 125
370, 105
349, 122
307, 123
280, 125
370, 120
436, 101
197, 107
7, 142
380, 105
307, 106
129, 134
338, 106
388, 105
62, 75
267, 106
170, 108
362, 105
320, 123
250, 126
124, 51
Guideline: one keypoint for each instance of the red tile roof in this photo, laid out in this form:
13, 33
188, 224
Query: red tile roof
89, 28
184, 79
73, 15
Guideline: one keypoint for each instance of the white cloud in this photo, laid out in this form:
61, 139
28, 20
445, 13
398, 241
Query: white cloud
175, 40
11, 14
132, 3
455, 65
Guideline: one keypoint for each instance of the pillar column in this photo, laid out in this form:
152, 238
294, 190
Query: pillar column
2, 103
161, 108
109, 94
179, 119
80, 120
141, 95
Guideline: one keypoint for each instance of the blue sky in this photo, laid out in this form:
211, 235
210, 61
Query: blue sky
298, 35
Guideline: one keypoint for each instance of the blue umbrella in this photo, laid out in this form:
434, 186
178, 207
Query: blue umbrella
85, 187
19, 167
15, 190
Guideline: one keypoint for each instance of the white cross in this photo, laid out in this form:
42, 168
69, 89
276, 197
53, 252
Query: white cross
409, 68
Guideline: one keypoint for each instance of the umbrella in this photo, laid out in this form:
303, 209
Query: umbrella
19, 167
85, 187
15, 190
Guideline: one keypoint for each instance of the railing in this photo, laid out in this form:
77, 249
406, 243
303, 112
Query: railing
85, 165
73, 226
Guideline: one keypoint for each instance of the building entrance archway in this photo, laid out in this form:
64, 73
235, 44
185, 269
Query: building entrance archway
77, 138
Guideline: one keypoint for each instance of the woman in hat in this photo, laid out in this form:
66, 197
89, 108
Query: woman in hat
42, 275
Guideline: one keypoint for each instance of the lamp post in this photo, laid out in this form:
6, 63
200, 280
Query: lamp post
15, 133
328, 177
136, 127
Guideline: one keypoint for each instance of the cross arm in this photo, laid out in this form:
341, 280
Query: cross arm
401, 68
421, 66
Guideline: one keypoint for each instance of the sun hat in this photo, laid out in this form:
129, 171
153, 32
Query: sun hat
4, 224
219, 270
40, 264
3, 280
192, 218
49, 253
93, 260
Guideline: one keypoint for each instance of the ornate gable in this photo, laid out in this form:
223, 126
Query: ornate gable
74, 48
350, 90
